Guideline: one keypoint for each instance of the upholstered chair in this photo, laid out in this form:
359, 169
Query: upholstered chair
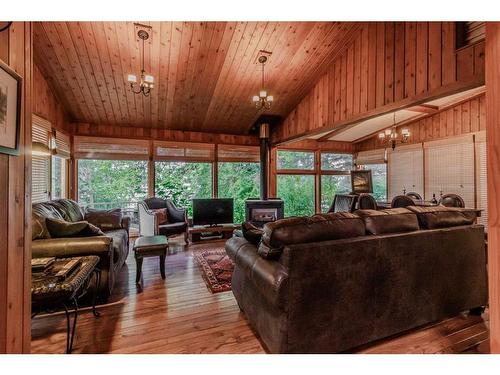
367, 202
414, 195
343, 203
402, 201
452, 200
177, 222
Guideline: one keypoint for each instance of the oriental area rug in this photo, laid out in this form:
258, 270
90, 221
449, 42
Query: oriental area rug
216, 268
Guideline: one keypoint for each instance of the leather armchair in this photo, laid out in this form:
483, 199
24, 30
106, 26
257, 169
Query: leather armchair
148, 223
344, 203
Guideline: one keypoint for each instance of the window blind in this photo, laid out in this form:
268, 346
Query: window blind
481, 178
449, 168
62, 145
40, 162
184, 151
371, 157
405, 167
110, 148
233, 153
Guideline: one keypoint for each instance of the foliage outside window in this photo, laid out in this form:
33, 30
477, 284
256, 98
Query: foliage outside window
336, 162
183, 181
295, 160
331, 185
105, 184
297, 192
239, 181
379, 180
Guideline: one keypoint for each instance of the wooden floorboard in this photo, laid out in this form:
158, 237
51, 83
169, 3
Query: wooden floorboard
180, 315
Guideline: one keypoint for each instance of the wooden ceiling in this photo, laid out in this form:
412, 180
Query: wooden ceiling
205, 72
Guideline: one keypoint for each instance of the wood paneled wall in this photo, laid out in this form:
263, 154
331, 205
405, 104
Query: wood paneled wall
463, 118
493, 150
159, 134
45, 102
15, 205
388, 65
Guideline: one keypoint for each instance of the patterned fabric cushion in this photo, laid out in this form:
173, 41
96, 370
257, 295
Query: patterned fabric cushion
162, 215
61, 228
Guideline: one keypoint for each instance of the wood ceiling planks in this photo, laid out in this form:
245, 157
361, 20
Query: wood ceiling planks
205, 72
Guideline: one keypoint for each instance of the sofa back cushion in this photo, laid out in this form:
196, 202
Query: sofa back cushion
69, 209
443, 217
394, 220
320, 227
40, 212
105, 219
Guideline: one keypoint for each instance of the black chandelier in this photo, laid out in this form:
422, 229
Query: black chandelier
146, 82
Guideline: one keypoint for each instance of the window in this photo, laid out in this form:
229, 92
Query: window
481, 178
106, 184
59, 179
449, 168
239, 181
297, 191
40, 165
336, 162
182, 181
331, 185
379, 180
406, 170
300, 160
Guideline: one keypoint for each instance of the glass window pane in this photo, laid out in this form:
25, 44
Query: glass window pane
182, 181
295, 160
298, 193
105, 184
57, 178
379, 180
336, 162
239, 181
331, 185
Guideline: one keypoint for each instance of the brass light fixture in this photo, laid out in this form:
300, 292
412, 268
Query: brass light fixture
263, 100
146, 82
391, 135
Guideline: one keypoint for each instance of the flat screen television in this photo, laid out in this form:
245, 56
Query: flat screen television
361, 181
213, 211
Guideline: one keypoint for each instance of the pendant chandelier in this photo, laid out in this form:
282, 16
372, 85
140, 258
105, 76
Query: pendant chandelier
146, 82
392, 137
262, 101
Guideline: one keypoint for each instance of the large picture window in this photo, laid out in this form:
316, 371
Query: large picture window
183, 181
239, 181
297, 192
105, 184
379, 180
332, 185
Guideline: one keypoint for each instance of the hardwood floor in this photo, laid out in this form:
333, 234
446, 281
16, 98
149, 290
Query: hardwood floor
180, 315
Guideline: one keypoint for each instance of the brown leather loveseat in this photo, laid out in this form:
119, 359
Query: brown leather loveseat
112, 248
332, 282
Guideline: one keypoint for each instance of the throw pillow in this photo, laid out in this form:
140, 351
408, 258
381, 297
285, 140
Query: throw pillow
61, 228
104, 219
251, 233
161, 215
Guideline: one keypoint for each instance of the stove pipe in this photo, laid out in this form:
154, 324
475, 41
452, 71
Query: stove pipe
264, 160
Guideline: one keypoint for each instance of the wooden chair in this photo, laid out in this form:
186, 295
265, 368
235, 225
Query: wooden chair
402, 201
367, 202
414, 195
343, 203
452, 200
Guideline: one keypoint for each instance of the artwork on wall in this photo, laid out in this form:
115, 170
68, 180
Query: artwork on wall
10, 110
361, 181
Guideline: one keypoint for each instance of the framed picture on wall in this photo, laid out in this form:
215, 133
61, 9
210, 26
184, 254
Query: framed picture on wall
361, 181
10, 110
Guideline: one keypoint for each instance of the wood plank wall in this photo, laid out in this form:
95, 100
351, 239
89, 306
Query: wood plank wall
388, 65
15, 205
45, 102
159, 134
493, 150
463, 118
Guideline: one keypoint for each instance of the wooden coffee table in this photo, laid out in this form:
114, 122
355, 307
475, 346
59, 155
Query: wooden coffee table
150, 246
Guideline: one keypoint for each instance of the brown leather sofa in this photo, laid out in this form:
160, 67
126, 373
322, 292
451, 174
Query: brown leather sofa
332, 282
112, 248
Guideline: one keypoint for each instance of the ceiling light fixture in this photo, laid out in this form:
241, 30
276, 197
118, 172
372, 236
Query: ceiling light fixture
262, 101
146, 82
391, 136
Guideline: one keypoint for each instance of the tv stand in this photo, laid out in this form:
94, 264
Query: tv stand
200, 233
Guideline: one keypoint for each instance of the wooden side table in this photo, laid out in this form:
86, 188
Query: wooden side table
150, 246
48, 293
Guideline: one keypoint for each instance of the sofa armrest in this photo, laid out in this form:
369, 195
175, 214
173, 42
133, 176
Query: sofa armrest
148, 225
176, 214
75, 246
269, 277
